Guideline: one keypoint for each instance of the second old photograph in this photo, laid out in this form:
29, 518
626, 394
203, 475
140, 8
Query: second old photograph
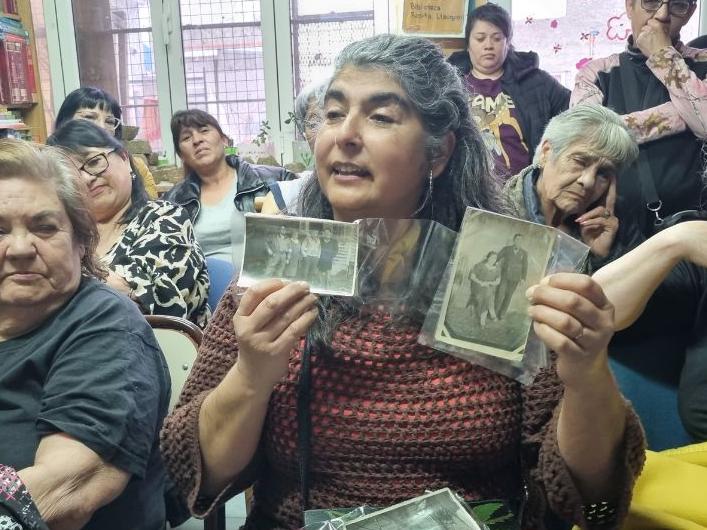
322, 253
484, 307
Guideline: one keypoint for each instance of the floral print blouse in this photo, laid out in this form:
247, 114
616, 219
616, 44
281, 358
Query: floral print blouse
159, 258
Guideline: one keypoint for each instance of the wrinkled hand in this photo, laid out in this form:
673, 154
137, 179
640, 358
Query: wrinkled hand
653, 36
598, 227
271, 319
574, 318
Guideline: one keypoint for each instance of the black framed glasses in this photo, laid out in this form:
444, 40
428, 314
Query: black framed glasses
110, 123
97, 164
679, 8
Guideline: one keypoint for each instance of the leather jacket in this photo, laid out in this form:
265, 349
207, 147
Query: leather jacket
253, 181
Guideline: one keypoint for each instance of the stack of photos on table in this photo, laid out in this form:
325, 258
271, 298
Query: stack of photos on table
437, 510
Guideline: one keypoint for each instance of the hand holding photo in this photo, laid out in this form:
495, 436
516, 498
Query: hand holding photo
322, 253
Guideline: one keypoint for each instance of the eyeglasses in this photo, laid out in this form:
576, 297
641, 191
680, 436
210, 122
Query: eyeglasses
679, 8
110, 123
97, 164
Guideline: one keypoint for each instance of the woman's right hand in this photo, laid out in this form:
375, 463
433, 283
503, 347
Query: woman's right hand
272, 317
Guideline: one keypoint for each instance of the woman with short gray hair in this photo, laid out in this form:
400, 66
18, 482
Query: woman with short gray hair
84, 384
283, 196
571, 184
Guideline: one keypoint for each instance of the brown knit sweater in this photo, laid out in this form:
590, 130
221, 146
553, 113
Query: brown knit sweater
390, 418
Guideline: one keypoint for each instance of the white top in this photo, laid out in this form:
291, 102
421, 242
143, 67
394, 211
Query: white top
219, 229
291, 189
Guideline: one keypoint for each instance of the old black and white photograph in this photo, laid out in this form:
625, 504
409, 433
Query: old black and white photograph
484, 307
439, 510
319, 252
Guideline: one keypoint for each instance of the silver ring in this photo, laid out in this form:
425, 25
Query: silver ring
579, 335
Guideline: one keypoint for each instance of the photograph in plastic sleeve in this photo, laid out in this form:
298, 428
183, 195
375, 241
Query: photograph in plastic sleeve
401, 262
439, 510
484, 308
320, 252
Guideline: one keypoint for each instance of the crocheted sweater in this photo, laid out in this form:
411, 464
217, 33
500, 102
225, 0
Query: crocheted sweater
390, 419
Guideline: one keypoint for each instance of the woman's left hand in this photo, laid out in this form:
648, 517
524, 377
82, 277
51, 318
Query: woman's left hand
598, 226
574, 318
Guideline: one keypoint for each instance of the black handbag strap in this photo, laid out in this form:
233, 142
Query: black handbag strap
631, 88
304, 422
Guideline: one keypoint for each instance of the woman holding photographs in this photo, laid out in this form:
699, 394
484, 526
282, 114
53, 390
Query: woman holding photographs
572, 182
360, 413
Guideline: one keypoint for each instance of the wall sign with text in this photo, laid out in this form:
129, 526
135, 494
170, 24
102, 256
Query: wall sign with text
435, 18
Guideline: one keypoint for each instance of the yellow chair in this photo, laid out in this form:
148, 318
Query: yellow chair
671, 493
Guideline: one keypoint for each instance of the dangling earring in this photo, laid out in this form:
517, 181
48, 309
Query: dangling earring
428, 197
133, 175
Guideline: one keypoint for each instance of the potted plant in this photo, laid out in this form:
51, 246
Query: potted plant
261, 149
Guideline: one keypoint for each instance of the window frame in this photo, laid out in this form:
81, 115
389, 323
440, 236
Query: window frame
169, 60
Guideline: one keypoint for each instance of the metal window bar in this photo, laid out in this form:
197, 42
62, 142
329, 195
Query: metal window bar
122, 27
317, 39
223, 63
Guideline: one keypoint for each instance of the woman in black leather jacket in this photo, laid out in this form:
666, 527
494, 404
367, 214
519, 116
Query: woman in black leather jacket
217, 188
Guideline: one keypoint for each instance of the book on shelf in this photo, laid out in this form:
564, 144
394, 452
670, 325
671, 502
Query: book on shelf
17, 77
9, 7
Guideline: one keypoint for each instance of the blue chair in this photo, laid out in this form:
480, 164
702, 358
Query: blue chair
656, 403
220, 274
647, 366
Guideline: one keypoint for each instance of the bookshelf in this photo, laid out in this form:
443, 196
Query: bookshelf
31, 113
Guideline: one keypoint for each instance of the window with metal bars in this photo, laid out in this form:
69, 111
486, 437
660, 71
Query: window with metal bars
319, 34
222, 45
115, 53
223, 63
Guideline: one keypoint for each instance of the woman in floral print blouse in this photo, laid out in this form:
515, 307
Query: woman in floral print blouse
148, 246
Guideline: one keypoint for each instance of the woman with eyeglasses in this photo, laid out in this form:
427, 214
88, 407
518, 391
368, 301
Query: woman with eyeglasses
148, 246
658, 86
99, 107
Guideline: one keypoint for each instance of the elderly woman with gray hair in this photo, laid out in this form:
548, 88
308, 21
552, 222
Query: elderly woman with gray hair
572, 182
284, 194
84, 384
